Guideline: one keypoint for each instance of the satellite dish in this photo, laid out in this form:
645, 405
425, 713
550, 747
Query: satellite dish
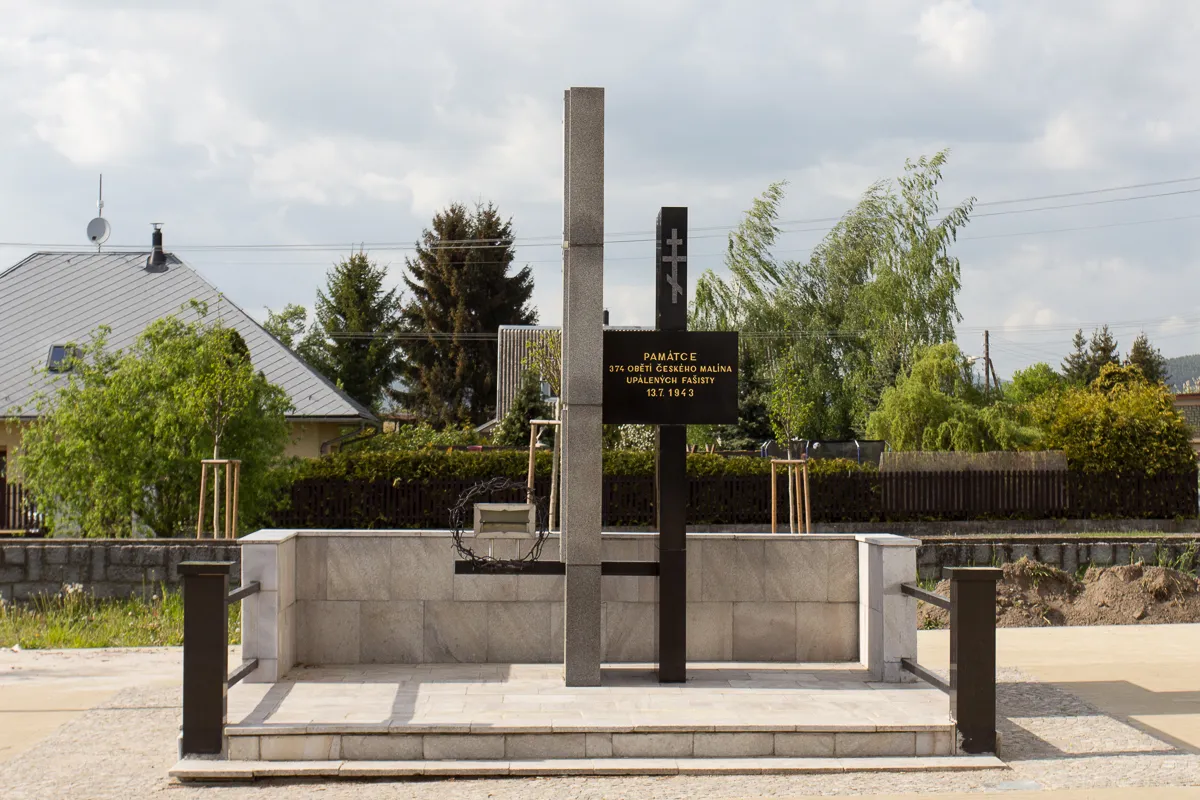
98, 230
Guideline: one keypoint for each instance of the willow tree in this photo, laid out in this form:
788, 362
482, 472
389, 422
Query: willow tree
879, 287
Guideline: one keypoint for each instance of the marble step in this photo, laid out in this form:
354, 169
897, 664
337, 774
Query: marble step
366, 743
212, 770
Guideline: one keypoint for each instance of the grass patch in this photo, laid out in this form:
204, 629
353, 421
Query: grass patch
928, 584
73, 618
1187, 561
1107, 535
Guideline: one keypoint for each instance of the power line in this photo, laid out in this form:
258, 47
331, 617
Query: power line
1084, 204
1078, 228
1088, 191
608, 258
1000, 339
633, 237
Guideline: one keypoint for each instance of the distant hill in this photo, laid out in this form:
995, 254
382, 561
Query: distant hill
1183, 369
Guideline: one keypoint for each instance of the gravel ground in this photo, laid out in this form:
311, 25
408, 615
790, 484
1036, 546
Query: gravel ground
123, 749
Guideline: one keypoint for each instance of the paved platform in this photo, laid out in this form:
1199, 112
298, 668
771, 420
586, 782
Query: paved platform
522, 712
195, 769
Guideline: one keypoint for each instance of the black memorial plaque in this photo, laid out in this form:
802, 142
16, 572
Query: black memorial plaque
670, 377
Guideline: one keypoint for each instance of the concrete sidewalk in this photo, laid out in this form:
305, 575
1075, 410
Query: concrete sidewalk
43, 689
1147, 676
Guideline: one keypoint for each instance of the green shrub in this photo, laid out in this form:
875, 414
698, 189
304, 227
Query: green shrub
419, 465
419, 436
1119, 423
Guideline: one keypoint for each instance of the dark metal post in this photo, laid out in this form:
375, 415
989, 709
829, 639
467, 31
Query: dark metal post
973, 655
671, 462
205, 655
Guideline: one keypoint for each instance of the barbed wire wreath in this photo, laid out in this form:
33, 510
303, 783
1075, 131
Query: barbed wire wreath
462, 516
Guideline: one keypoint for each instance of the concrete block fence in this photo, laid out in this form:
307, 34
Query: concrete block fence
103, 567
933, 556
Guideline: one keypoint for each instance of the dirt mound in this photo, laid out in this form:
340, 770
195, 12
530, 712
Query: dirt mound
1032, 594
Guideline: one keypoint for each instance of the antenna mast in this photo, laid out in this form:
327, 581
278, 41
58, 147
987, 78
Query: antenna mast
100, 208
98, 229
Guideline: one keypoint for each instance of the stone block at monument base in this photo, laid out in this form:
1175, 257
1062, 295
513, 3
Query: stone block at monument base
377, 659
392, 597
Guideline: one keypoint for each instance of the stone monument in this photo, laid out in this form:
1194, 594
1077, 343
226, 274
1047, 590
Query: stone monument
582, 391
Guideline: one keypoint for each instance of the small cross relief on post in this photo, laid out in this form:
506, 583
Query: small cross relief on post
674, 260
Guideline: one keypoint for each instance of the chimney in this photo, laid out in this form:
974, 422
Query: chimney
157, 260
606, 316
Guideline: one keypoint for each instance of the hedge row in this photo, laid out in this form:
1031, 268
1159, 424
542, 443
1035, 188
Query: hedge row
419, 465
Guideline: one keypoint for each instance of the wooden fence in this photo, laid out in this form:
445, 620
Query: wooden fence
745, 500
17, 511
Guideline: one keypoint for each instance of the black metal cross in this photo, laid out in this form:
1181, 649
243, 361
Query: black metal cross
671, 462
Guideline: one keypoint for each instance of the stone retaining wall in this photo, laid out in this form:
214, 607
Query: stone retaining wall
932, 556
103, 567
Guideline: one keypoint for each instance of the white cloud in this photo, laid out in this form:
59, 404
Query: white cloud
1174, 325
1065, 143
289, 122
94, 118
1030, 312
1160, 131
330, 171
955, 34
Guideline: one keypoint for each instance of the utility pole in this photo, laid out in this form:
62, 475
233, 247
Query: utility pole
987, 364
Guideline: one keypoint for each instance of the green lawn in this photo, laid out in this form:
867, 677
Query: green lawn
75, 619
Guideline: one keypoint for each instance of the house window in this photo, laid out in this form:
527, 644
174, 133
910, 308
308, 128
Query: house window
60, 356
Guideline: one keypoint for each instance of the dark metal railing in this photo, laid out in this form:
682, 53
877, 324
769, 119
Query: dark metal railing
972, 685
206, 676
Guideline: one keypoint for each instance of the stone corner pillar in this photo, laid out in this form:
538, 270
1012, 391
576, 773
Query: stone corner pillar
887, 629
269, 615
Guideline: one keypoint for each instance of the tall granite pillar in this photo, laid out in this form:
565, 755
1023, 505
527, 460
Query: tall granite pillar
582, 373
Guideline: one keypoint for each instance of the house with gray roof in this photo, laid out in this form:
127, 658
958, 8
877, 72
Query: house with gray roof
51, 299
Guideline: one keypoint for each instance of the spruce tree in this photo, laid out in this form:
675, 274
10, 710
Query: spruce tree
462, 292
1142, 354
1075, 365
1101, 350
354, 342
513, 430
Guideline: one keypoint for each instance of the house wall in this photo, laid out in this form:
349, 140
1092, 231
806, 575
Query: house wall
307, 438
10, 438
1188, 405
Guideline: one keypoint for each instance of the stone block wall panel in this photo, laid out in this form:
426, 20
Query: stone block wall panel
105, 568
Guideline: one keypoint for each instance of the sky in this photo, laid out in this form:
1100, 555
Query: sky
271, 138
